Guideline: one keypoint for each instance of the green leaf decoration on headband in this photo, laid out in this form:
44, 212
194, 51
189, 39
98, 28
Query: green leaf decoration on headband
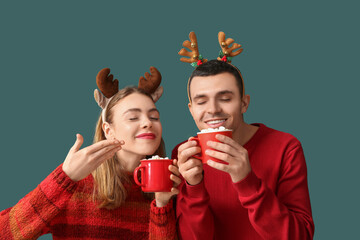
221, 54
198, 62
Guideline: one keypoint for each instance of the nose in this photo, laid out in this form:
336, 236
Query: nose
146, 123
213, 107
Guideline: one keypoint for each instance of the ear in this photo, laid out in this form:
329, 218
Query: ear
157, 94
245, 103
190, 109
108, 131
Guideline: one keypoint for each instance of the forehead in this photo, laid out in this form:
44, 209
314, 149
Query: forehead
211, 85
134, 100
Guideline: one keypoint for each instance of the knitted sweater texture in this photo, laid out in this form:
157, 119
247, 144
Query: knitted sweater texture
272, 202
66, 209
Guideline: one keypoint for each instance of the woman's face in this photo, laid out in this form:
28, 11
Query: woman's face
136, 121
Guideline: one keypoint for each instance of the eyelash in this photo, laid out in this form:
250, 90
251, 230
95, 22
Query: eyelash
152, 118
223, 100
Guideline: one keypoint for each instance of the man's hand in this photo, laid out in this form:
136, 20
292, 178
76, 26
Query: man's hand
189, 167
231, 152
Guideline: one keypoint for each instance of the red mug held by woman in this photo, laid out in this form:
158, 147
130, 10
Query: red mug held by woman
155, 175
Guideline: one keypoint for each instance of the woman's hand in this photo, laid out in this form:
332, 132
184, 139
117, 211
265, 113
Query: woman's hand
163, 198
80, 163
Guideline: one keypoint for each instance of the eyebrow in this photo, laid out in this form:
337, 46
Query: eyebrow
198, 96
139, 110
225, 92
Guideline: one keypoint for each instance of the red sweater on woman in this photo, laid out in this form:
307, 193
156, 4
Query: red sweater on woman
272, 202
66, 209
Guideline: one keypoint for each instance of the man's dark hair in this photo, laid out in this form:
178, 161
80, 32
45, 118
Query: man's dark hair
214, 67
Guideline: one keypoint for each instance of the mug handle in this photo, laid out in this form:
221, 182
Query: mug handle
136, 176
198, 156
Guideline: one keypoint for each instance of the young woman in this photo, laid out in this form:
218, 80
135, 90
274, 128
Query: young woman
92, 195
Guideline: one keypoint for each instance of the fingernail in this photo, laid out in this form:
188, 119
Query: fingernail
207, 151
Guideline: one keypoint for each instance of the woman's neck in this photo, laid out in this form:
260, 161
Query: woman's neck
129, 160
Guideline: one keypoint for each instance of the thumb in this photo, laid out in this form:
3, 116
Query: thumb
79, 141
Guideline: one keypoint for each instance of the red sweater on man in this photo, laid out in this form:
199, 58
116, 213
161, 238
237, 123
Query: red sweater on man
272, 202
66, 209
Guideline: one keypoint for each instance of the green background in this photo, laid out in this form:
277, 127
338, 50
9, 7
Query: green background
299, 65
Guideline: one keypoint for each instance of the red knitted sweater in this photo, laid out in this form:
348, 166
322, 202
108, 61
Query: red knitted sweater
272, 202
66, 209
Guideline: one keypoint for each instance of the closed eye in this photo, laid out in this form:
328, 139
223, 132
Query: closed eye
200, 102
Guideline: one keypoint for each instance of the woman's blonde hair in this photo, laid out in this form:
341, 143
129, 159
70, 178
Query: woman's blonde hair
109, 188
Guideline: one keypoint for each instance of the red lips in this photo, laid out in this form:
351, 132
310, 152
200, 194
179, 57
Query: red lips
146, 136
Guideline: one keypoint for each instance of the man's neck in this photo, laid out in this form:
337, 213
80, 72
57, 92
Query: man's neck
244, 133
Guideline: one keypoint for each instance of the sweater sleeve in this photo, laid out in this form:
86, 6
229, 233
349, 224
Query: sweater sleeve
162, 222
193, 214
286, 213
31, 216
195, 219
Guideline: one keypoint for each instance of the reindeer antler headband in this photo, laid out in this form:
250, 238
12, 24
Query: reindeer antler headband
226, 54
109, 87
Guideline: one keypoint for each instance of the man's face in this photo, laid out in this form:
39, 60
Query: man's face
216, 102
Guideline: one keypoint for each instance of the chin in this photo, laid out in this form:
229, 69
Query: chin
147, 151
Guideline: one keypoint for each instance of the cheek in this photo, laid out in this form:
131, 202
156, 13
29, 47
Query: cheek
125, 131
235, 111
158, 128
198, 112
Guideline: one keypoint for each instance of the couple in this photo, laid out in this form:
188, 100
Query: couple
261, 194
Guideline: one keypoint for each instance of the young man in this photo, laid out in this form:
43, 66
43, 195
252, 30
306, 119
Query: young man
262, 193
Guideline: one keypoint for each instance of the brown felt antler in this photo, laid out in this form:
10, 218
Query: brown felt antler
151, 83
225, 46
193, 46
107, 86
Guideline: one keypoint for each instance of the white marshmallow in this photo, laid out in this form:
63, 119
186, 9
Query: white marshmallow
157, 157
221, 128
